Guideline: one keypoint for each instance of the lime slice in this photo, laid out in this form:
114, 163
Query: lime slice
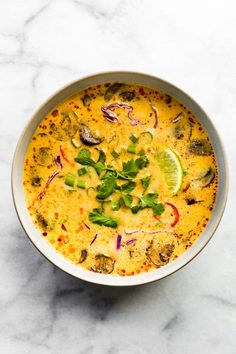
170, 165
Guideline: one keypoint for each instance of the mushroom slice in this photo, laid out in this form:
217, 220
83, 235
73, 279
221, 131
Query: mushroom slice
182, 128
87, 137
66, 128
83, 256
204, 180
42, 221
127, 95
161, 249
112, 90
192, 200
36, 181
44, 156
86, 100
103, 264
200, 147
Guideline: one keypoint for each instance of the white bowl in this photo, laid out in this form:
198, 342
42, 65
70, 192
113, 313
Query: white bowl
56, 258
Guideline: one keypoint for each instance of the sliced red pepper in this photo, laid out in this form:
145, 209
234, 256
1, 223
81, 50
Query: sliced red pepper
63, 227
176, 213
64, 156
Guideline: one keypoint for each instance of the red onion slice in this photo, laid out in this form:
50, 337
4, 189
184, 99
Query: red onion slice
112, 117
86, 225
50, 178
130, 232
118, 241
94, 239
58, 161
132, 240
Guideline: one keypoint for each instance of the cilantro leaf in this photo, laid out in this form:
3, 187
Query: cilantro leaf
158, 208
107, 186
97, 217
132, 167
142, 162
146, 182
128, 187
135, 209
127, 199
102, 157
100, 164
115, 205
147, 200
84, 158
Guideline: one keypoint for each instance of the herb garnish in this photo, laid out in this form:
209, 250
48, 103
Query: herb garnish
97, 217
149, 201
146, 182
132, 167
107, 186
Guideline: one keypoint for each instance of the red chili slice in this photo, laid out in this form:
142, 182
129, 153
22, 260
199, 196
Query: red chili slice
63, 227
64, 156
176, 213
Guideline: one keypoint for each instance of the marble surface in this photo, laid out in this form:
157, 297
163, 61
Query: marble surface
45, 44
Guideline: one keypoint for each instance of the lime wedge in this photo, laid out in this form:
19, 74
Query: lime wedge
170, 166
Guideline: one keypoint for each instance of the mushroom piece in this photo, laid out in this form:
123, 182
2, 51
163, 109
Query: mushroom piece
182, 128
36, 181
87, 137
44, 157
161, 249
112, 90
192, 200
42, 221
204, 180
103, 264
83, 256
200, 147
127, 95
66, 128
86, 100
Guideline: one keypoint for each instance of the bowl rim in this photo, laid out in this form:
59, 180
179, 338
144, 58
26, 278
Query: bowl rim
143, 278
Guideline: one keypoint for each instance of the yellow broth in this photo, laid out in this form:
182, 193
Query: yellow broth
61, 211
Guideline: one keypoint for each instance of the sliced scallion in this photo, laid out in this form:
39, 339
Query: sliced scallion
145, 138
70, 180
82, 171
81, 184
115, 154
133, 138
131, 149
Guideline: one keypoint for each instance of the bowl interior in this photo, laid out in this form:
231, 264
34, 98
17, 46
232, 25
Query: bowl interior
45, 248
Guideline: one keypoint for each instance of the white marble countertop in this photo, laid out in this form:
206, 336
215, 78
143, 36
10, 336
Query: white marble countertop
45, 44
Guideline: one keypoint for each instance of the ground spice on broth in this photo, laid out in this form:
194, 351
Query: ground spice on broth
96, 191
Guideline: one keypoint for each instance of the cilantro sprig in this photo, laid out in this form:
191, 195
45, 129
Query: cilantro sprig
109, 177
149, 200
85, 159
97, 217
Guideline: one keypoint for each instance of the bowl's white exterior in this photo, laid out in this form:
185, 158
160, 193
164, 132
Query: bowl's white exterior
47, 250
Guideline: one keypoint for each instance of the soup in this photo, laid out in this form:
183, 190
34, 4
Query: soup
120, 178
